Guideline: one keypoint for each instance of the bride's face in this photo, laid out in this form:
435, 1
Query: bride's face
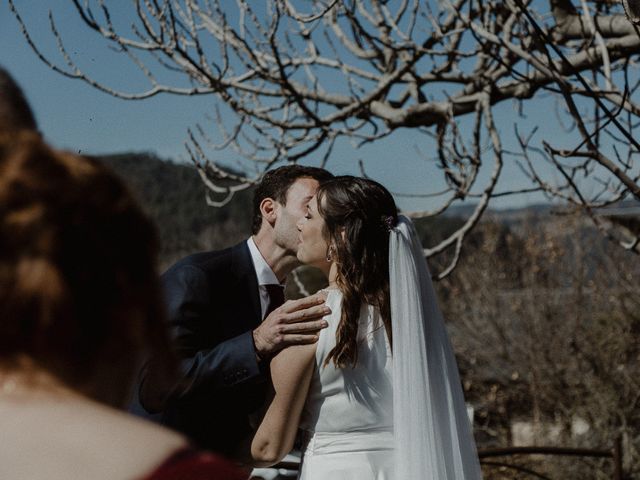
313, 246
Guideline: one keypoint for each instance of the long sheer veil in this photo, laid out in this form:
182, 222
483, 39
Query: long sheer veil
433, 435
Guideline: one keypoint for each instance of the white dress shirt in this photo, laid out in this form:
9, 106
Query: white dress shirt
264, 273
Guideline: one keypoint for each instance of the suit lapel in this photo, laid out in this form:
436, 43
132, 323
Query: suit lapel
242, 266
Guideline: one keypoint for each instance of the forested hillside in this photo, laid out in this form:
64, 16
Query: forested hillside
174, 196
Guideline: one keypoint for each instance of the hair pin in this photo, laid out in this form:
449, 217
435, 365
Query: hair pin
389, 222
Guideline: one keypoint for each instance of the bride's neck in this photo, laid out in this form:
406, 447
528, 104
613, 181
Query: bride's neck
333, 275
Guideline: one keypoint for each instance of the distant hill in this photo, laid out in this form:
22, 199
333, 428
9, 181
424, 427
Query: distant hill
174, 196
626, 208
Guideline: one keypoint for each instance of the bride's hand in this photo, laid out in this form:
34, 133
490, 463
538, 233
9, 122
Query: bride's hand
297, 322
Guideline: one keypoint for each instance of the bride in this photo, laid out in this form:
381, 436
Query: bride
378, 396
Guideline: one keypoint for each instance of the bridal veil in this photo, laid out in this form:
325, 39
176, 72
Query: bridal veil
433, 435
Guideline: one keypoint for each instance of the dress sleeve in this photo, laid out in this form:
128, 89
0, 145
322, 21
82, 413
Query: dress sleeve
192, 464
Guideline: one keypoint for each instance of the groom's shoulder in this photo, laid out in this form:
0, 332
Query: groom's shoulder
207, 261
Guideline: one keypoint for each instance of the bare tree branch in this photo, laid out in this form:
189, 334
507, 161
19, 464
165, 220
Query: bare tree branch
291, 78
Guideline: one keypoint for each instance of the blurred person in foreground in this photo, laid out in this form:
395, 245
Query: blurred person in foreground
80, 307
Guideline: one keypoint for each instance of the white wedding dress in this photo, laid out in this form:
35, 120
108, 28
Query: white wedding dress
347, 420
404, 419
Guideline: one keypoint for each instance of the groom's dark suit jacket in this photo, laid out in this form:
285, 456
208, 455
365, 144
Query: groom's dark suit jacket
213, 305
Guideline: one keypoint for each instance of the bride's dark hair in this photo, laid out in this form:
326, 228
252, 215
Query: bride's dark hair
358, 214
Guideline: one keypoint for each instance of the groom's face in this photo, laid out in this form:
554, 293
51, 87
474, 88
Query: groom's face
289, 214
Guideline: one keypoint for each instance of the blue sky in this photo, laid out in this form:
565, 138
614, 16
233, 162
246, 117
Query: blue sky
72, 115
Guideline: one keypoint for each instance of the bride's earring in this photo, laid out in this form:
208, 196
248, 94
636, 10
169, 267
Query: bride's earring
330, 253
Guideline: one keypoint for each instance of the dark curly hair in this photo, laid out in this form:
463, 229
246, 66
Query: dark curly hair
358, 214
79, 294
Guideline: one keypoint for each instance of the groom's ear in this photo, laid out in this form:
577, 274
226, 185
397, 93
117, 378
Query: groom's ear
268, 210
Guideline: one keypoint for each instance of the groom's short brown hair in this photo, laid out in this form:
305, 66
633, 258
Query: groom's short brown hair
275, 184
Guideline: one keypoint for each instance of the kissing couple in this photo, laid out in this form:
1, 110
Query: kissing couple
362, 372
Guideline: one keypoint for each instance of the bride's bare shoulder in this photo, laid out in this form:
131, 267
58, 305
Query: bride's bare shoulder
294, 354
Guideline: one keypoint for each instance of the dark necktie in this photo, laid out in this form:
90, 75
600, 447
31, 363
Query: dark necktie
276, 297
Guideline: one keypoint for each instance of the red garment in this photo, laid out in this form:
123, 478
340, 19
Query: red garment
192, 464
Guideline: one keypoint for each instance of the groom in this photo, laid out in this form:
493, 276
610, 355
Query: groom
227, 319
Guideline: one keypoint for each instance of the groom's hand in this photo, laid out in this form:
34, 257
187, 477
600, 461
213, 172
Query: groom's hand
294, 323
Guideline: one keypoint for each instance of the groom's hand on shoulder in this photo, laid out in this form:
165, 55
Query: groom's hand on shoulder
296, 322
